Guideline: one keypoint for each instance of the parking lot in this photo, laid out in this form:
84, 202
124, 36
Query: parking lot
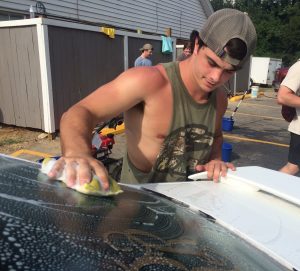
259, 136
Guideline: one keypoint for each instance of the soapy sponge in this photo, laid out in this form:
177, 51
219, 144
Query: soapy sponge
94, 187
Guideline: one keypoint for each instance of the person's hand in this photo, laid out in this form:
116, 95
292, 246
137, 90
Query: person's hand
79, 168
215, 169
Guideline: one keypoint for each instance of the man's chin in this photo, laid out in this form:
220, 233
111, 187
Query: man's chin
209, 88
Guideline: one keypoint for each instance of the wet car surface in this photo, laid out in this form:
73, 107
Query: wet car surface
46, 226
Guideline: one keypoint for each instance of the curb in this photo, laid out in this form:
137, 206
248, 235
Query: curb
239, 97
118, 130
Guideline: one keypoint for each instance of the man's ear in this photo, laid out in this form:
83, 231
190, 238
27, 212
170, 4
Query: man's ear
196, 46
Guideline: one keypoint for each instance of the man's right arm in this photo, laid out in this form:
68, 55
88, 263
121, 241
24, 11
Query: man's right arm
75, 135
77, 124
286, 96
289, 86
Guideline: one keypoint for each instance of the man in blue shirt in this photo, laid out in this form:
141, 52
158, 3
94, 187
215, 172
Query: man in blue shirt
143, 59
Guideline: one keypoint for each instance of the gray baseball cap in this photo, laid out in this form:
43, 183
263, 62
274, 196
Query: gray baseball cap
146, 46
227, 24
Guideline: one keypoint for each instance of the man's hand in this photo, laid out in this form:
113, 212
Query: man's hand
215, 169
80, 168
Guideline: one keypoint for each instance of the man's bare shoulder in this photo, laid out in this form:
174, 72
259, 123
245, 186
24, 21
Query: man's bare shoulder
153, 77
130, 88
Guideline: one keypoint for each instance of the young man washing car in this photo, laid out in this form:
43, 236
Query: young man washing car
172, 111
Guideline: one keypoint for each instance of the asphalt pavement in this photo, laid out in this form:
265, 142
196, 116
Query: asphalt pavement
259, 136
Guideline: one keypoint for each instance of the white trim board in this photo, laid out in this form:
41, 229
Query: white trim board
46, 79
59, 23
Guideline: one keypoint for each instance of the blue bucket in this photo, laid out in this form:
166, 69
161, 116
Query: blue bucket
227, 124
226, 152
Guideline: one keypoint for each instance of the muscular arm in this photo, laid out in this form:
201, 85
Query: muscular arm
76, 126
216, 167
101, 105
218, 140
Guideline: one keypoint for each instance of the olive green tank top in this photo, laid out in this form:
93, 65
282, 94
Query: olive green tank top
188, 142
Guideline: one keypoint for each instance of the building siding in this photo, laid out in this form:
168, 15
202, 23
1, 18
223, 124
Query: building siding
20, 78
81, 61
182, 16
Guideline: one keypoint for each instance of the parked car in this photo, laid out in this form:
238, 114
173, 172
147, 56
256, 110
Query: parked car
280, 74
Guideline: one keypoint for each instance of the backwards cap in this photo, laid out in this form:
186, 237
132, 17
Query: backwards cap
227, 24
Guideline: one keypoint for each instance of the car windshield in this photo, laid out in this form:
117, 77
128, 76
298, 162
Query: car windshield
46, 226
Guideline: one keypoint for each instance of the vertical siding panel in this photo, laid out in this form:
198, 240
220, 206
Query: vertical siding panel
59, 50
16, 89
80, 62
12, 74
85, 61
33, 119
22, 88
65, 69
36, 80
20, 84
6, 99
63, 62
24, 73
29, 96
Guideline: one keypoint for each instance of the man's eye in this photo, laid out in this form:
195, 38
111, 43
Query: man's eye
212, 63
229, 71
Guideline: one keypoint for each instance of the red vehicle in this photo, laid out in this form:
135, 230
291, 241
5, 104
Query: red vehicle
102, 147
280, 74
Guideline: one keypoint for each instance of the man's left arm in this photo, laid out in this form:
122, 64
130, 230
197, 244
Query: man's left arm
216, 167
221, 105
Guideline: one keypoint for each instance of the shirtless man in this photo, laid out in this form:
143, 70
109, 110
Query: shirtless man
172, 111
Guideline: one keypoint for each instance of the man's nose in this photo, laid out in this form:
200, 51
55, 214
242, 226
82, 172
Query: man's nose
216, 74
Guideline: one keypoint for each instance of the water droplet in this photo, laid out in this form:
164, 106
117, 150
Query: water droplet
11, 239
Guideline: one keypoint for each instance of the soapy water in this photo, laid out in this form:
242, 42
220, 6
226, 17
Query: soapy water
94, 187
46, 226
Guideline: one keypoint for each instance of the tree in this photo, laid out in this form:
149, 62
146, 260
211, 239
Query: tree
277, 24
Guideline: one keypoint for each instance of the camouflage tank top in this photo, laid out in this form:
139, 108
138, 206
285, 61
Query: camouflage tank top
189, 141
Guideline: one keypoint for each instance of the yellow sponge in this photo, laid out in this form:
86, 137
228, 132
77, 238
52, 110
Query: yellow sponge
94, 187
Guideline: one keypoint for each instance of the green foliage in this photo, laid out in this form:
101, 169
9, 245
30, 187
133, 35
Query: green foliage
9, 141
277, 24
